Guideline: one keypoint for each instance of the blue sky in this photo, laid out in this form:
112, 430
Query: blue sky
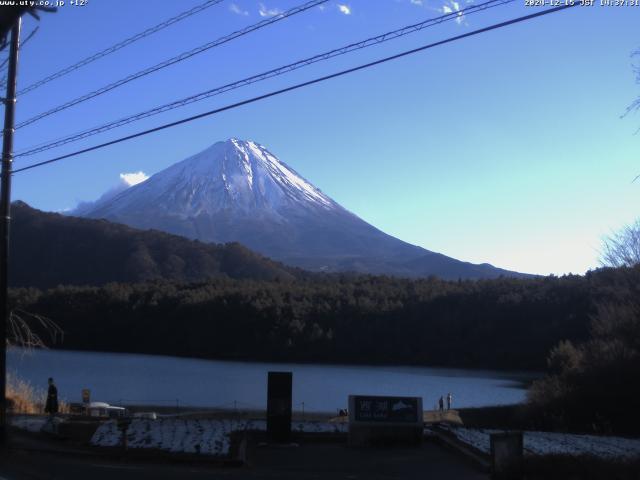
505, 148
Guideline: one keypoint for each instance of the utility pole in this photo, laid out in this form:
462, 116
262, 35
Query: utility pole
5, 218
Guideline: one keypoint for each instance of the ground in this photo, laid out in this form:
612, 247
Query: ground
224, 445
307, 461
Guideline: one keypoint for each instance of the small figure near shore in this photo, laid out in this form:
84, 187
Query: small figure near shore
51, 406
449, 400
441, 403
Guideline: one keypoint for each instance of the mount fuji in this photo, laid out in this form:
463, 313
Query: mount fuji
238, 191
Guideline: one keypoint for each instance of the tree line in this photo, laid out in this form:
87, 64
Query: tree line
500, 323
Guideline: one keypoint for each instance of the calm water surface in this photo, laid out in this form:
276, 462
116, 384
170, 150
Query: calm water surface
158, 380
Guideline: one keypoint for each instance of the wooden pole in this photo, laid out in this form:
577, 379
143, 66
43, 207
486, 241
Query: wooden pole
5, 218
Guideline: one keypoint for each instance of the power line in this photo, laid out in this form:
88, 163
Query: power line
261, 77
3, 65
120, 45
179, 58
300, 85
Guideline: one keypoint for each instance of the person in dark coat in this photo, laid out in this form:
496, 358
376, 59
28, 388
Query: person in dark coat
441, 404
52, 399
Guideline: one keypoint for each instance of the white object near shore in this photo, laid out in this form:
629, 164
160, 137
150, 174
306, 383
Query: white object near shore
102, 409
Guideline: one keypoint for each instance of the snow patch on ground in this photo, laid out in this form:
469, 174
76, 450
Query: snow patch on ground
194, 436
107, 435
35, 423
548, 443
207, 437
28, 422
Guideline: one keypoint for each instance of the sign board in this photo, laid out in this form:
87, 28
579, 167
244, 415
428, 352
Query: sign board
375, 420
386, 409
86, 395
279, 390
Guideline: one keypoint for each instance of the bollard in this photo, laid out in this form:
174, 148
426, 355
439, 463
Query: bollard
507, 456
123, 425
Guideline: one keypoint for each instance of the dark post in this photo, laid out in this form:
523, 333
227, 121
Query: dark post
507, 455
5, 218
279, 406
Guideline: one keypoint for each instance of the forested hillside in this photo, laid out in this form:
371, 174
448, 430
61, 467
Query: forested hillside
500, 323
49, 249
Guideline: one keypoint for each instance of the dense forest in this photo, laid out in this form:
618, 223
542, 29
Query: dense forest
49, 249
594, 383
499, 323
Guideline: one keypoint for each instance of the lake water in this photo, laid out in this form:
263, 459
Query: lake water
158, 380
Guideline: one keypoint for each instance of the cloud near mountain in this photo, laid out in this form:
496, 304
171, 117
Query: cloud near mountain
126, 180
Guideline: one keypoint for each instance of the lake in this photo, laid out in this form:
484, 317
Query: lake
159, 380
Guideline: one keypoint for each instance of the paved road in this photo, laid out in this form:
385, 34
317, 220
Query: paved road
312, 461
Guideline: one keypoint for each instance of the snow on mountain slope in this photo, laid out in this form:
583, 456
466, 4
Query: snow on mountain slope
239, 191
233, 175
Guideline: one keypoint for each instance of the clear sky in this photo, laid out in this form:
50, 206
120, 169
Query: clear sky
505, 148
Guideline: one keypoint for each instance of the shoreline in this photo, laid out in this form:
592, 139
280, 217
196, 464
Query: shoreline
534, 374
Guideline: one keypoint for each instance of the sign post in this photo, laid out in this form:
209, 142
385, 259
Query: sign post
375, 420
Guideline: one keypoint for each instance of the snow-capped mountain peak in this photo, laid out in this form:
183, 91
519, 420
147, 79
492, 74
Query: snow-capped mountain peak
238, 191
252, 152
230, 175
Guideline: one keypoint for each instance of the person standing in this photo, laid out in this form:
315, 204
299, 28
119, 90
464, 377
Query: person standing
441, 403
449, 400
51, 406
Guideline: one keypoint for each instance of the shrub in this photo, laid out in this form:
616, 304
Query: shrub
22, 397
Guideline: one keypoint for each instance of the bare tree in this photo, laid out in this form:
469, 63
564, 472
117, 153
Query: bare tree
635, 105
23, 327
622, 249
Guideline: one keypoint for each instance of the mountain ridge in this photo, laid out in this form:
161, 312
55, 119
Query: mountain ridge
238, 190
50, 249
